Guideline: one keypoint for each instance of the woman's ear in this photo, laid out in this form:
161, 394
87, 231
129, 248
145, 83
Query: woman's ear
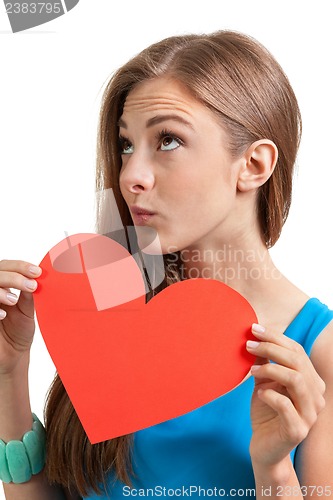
258, 163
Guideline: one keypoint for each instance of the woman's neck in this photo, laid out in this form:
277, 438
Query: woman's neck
243, 262
245, 265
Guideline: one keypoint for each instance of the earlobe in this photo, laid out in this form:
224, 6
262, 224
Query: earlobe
258, 164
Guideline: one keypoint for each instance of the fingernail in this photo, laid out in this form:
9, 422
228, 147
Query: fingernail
31, 284
254, 368
252, 344
258, 328
2, 314
12, 298
35, 270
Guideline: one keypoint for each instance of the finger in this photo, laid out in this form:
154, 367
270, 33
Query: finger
293, 428
3, 312
15, 280
14, 274
25, 305
273, 352
299, 355
21, 267
259, 362
289, 378
296, 359
307, 399
263, 333
7, 297
279, 339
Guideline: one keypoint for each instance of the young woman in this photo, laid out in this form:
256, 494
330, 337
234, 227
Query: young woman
198, 139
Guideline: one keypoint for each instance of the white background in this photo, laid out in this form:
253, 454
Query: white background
50, 88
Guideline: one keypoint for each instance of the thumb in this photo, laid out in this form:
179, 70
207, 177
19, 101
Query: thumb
26, 304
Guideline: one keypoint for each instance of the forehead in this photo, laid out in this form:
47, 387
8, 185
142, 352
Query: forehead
161, 94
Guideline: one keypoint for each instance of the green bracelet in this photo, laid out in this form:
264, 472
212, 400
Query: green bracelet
19, 460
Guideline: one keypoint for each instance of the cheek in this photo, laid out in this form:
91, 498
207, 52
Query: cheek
204, 202
204, 189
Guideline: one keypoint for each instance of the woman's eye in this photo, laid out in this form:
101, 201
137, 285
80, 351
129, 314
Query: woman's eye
126, 148
169, 143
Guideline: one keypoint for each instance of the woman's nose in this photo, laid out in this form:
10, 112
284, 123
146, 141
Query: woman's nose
136, 175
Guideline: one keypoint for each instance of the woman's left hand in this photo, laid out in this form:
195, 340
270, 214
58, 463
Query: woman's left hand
288, 396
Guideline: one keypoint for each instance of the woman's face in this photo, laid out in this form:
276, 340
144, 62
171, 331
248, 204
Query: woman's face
177, 176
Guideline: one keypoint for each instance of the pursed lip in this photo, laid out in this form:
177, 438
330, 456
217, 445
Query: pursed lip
141, 215
135, 210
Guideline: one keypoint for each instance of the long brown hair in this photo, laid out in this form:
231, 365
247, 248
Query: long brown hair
239, 80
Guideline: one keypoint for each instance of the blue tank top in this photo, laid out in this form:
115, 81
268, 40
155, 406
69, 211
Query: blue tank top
206, 451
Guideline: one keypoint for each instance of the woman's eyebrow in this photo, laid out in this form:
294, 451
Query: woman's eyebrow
158, 119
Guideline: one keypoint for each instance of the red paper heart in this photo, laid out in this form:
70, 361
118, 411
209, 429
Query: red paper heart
134, 365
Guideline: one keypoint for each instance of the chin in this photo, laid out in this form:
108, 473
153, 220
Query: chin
148, 240
152, 243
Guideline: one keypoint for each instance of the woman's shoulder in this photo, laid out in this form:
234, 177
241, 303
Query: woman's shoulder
309, 321
290, 311
322, 350
279, 304
313, 321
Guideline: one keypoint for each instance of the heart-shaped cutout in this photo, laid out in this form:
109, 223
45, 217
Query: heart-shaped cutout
134, 365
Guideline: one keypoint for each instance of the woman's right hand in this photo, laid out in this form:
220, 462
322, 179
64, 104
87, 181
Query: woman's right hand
17, 325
